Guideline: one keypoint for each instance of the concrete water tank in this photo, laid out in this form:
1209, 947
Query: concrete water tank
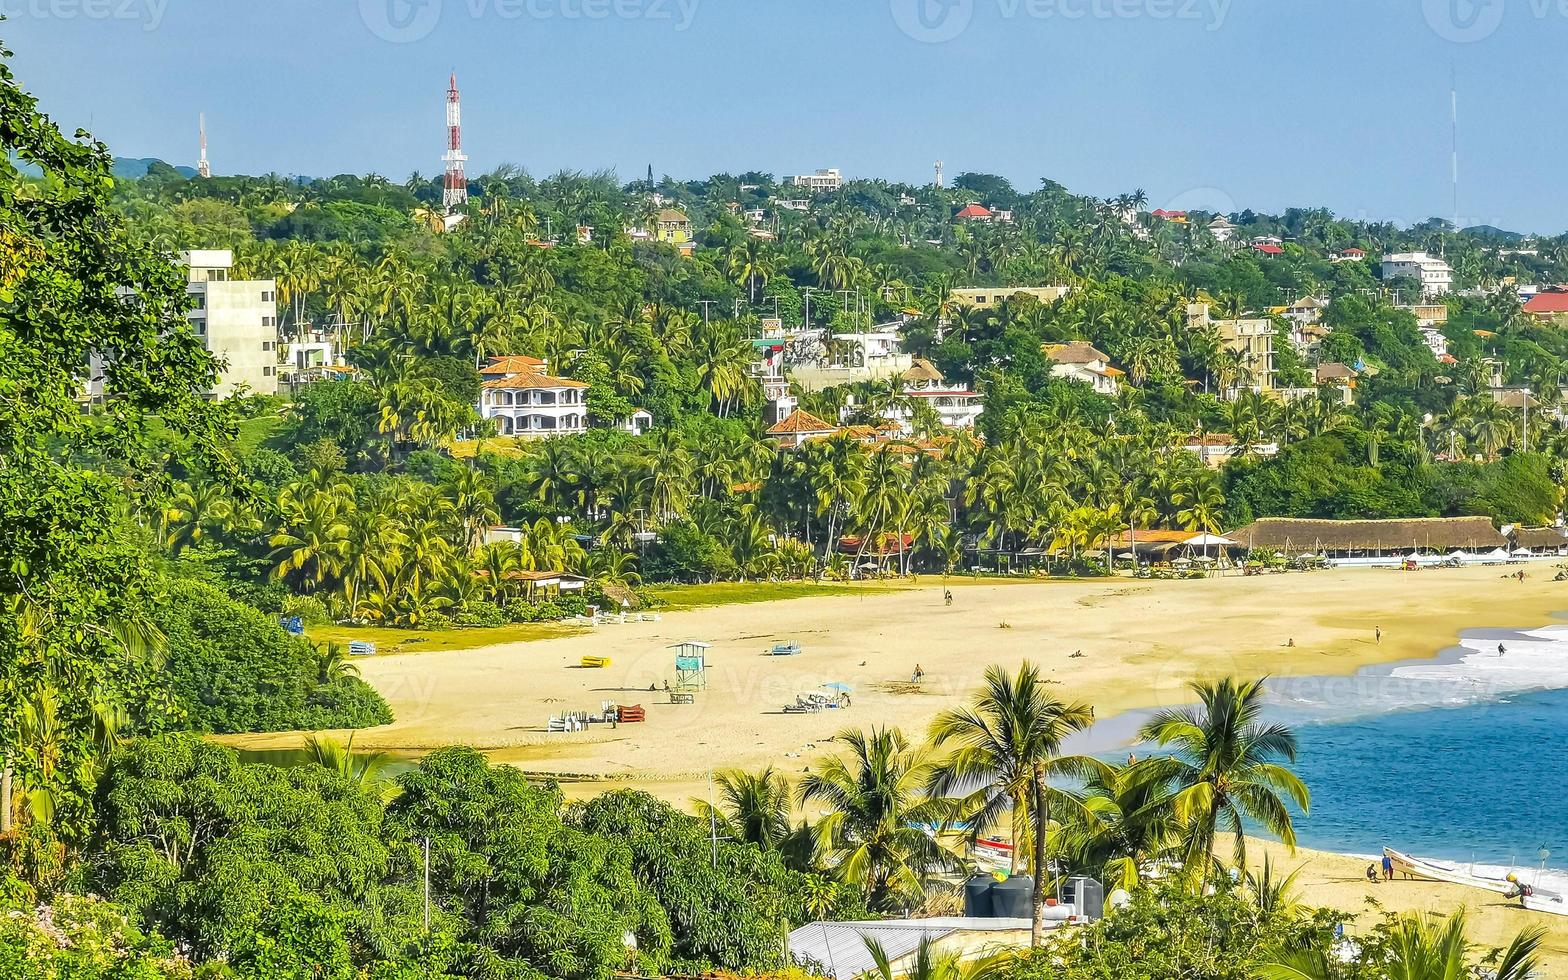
1013, 898
977, 896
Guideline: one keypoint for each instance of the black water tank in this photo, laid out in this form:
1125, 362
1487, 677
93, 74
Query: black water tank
977, 897
1013, 898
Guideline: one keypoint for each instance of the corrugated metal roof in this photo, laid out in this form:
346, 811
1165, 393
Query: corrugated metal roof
839, 948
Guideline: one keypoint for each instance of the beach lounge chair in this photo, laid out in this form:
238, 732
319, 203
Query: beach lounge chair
596, 663
785, 650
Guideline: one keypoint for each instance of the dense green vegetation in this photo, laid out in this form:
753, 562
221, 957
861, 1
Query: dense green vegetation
145, 559
356, 506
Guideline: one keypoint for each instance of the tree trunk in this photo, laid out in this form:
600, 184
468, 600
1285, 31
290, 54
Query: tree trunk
1042, 816
5, 798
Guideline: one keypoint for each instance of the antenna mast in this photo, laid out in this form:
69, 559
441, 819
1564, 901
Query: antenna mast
456, 193
203, 168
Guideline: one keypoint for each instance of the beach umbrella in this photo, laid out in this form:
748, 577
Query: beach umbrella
1126, 556
839, 687
1204, 559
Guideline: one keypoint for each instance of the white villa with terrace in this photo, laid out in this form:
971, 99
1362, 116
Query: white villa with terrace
958, 406
1081, 361
524, 400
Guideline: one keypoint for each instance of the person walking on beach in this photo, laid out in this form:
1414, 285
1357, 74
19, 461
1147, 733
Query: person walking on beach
1502, 651
1388, 868
947, 596
1377, 633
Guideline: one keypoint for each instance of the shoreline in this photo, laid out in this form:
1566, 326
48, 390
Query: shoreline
1140, 643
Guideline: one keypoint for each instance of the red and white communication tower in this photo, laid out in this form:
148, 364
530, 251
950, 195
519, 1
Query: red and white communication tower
456, 194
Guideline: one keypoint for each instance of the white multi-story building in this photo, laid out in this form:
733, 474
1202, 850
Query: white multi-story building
820, 182
1435, 275
958, 406
237, 319
524, 400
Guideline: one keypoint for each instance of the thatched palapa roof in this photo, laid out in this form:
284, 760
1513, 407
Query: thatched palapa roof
1428, 533
1539, 537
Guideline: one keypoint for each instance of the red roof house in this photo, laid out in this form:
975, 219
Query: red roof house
1268, 248
1548, 304
975, 211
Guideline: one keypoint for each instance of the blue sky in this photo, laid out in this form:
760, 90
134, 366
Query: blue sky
1204, 103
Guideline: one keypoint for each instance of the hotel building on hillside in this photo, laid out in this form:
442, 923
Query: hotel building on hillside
1435, 275
524, 400
237, 319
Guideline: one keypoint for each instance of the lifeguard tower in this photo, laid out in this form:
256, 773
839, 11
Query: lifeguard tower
691, 665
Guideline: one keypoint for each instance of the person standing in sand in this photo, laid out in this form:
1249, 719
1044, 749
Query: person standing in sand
1388, 868
1377, 633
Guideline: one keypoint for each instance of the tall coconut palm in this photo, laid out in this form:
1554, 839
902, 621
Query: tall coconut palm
756, 808
873, 834
1226, 765
1007, 745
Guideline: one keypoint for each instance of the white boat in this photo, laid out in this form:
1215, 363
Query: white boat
1488, 878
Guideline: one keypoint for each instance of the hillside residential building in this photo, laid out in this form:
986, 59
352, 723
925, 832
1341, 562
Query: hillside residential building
1222, 229
237, 319
1351, 255
1081, 361
1252, 340
958, 406
1548, 304
1215, 448
823, 181
984, 215
673, 227
1435, 276
798, 428
985, 297
524, 400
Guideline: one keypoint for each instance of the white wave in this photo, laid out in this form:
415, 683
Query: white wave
1530, 660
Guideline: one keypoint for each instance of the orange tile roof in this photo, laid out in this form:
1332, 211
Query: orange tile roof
519, 382
513, 364
801, 422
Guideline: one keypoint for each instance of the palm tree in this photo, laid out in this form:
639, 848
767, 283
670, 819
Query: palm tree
1421, 947
332, 662
1009, 743
1226, 765
874, 831
1123, 827
366, 770
930, 964
756, 808
193, 512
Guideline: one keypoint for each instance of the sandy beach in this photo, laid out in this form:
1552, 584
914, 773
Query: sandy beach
1339, 882
1118, 644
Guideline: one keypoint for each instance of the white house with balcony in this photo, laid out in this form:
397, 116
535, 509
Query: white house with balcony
1435, 275
525, 400
958, 406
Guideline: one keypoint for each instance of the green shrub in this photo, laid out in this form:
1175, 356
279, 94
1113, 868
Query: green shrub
233, 669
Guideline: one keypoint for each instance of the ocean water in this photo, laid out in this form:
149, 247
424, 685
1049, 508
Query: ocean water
1464, 757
